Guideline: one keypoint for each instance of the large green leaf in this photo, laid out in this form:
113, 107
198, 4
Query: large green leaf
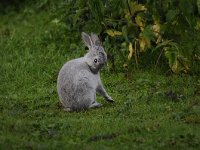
177, 62
148, 33
198, 5
171, 15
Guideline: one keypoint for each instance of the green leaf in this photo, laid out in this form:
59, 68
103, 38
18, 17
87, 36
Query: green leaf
186, 7
171, 15
198, 5
171, 55
131, 51
113, 33
165, 43
148, 33
135, 7
124, 33
177, 62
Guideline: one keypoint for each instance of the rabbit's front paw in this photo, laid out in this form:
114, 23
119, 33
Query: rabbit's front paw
109, 99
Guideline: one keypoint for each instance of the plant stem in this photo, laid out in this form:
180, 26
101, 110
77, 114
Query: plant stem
136, 59
158, 58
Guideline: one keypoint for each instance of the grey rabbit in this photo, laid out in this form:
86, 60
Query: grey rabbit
79, 79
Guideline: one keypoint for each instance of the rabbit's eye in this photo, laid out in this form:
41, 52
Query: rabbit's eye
95, 60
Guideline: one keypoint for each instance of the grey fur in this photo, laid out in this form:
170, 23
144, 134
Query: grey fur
79, 79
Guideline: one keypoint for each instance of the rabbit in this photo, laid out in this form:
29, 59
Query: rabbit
79, 79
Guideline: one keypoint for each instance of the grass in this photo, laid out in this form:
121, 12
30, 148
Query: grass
151, 110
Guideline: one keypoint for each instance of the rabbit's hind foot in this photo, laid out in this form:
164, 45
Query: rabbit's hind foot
95, 105
67, 109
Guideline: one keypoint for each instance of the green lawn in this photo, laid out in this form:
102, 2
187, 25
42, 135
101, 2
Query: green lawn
152, 110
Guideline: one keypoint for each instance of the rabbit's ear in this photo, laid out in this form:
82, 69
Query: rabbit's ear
86, 39
95, 39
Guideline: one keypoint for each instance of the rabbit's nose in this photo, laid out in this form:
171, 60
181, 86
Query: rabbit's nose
102, 63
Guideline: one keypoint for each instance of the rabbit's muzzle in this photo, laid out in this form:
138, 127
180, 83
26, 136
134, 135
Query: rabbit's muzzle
102, 58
